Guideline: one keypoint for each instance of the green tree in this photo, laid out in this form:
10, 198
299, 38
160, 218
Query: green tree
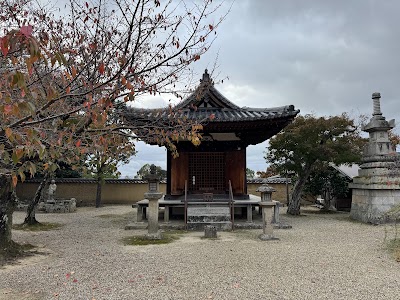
329, 183
145, 170
105, 157
311, 143
250, 173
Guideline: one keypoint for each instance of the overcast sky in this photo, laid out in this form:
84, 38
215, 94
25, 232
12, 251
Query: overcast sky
324, 57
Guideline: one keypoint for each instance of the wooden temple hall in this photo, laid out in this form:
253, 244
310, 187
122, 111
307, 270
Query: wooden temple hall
215, 170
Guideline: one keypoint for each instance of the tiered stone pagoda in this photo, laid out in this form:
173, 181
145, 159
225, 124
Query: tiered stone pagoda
376, 189
217, 167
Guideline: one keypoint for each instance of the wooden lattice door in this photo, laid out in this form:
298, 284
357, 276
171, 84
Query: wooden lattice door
207, 172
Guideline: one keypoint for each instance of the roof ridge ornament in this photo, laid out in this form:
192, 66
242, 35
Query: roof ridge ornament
206, 78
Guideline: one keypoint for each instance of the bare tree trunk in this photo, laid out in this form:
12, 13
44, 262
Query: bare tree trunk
7, 204
294, 203
30, 218
98, 193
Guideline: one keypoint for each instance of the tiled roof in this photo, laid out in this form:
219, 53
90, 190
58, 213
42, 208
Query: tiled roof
91, 180
205, 101
141, 181
272, 179
243, 114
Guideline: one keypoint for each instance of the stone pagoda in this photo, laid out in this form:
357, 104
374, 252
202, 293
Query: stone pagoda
376, 189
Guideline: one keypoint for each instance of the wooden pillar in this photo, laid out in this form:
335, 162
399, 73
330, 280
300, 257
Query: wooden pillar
245, 166
168, 191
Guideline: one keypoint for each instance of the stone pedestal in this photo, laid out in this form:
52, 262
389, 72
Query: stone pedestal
210, 231
152, 215
267, 215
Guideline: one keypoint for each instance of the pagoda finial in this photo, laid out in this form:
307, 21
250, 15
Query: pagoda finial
206, 77
376, 97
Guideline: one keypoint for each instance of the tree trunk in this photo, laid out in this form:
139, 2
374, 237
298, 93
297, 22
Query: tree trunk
294, 204
98, 193
7, 205
30, 218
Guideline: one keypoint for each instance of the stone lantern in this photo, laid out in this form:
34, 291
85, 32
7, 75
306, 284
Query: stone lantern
267, 206
153, 195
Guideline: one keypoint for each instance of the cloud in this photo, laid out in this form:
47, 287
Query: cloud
324, 57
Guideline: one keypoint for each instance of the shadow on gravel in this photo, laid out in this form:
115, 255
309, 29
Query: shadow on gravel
45, 226
118, 220
8, 294
16, 252
167, 237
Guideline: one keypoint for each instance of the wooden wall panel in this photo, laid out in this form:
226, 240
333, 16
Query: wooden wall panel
179, 173
235, 170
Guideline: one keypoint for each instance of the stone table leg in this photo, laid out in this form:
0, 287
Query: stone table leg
139, 213
249, 214
275, 220
166, 214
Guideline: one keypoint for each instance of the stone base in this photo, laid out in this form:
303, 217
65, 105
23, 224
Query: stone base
267, 237
282, 226
371, 205
153, 236
210, 232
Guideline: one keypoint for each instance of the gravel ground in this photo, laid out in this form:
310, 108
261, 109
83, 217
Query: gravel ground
321, 257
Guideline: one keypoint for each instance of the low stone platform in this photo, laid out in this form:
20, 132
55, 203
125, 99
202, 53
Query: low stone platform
58, 206
247, 215
175, 205
180, 225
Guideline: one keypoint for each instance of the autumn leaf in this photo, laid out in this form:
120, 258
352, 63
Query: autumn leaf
101, 68
8, 132
26, 30
211, 27
7, 109
19, 152
78, 143
14, 180
4, 45
73, 71
68, 275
